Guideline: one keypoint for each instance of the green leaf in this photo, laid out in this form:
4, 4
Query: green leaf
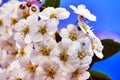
52, 3
111, 47
95, 75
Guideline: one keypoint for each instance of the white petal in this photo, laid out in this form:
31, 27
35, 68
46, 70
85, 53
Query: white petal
64, 33
74, 8
70, 27
37, 37
63, 15
52, 26
98, 54
27, 39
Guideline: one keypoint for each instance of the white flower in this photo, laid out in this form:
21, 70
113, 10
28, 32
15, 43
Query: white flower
50, 71
63, 54
24, 30
42, 30
53, 15
79, 74
57, 13
96, 45
95, 42
72, 33
82, 11
43, 50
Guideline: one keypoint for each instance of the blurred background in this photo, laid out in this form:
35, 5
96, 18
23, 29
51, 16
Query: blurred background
106, 26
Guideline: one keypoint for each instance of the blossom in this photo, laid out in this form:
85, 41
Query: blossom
72, 33
41, 30
53, 15
43, 50
82, 11
63, 55
50, 70
23, 32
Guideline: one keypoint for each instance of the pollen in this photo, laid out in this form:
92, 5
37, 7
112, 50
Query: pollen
31, 68
22, 52
53, 15
93, 45
64, 57
81, 54
42, 30
45, 51
50, 73
26, 30
25, 14
13, 21
73, 36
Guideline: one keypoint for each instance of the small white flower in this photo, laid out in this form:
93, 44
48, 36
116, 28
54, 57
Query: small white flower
42, 30
24, 30
50, 71
57, 13
53, 15
63, 54
79, 74
82, 11
43, 50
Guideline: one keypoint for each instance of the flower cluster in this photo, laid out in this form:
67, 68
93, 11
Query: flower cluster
32, 48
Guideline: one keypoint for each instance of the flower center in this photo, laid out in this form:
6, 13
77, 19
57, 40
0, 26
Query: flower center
1, 22
31, 68
53, 15
81, 54
75, 74
63, 56
25, 14
73, 36
50, 73
93, 45
45, 51
13, 21
85, 28
43, 30
26, 30
22, 52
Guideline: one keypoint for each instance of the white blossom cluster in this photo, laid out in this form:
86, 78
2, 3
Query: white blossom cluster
32, 47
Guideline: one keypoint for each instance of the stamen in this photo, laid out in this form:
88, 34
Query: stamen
64, 56
50, 73
73, 36
45, 51
81, 54
31, 68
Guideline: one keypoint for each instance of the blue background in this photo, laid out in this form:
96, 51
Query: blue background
107, 26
